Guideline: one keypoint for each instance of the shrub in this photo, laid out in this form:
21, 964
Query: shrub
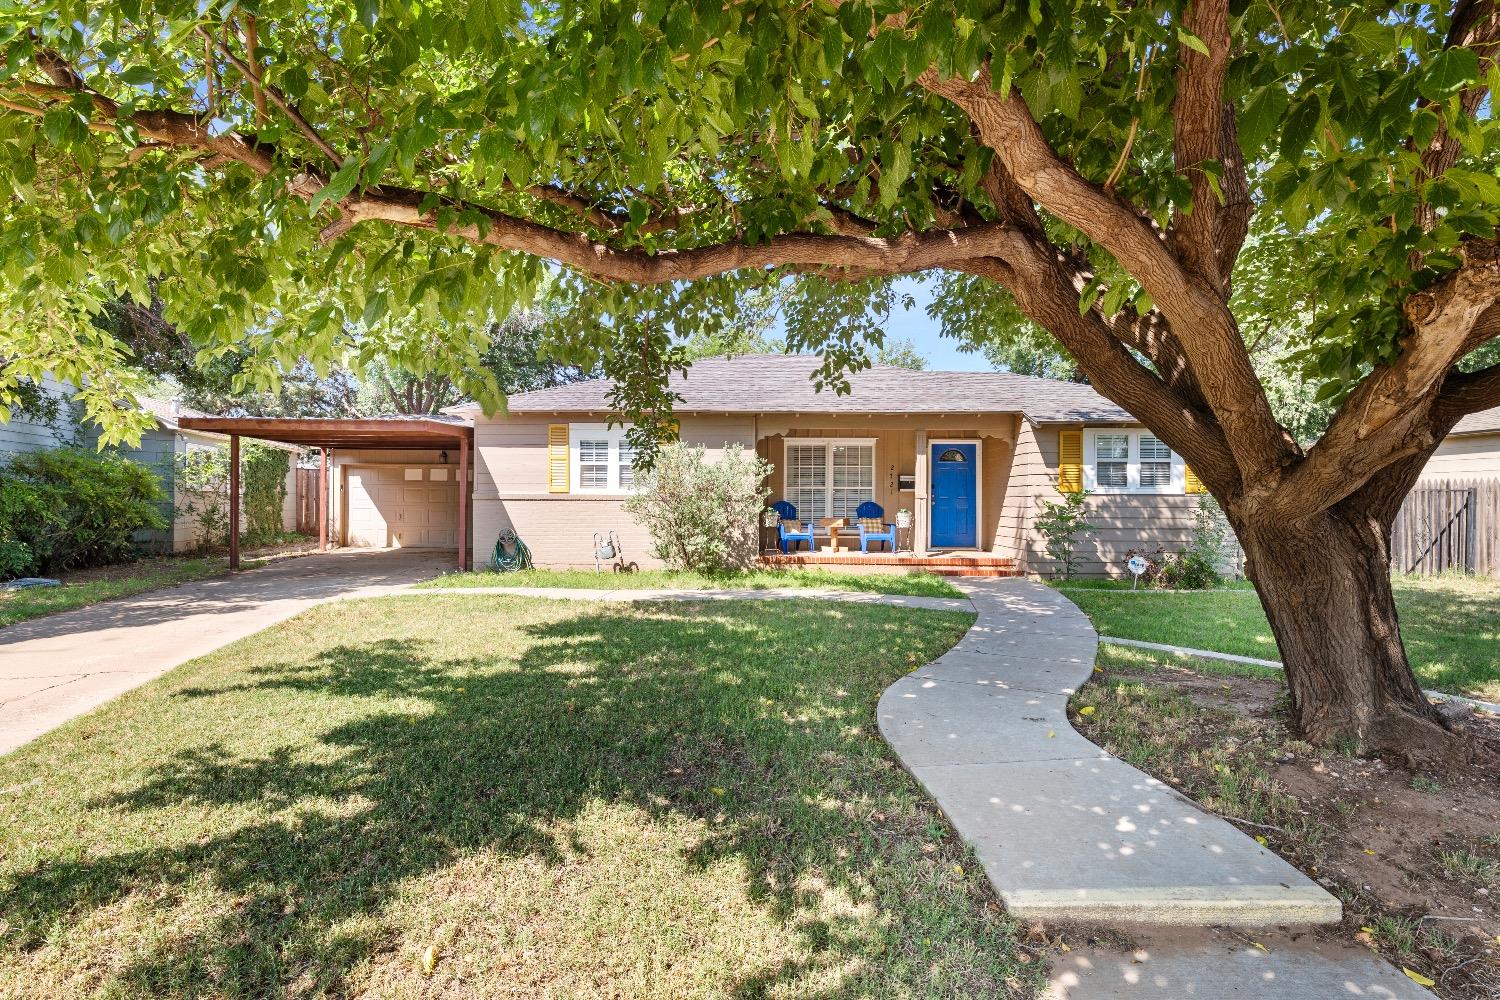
202, 494
702, 514
1061, 525
66, 508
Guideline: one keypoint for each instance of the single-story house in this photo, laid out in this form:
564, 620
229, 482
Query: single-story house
970, 454
1470, 451
159, 447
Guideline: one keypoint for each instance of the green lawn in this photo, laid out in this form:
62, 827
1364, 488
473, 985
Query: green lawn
502, 797
906, 584
124, 581
1451, 625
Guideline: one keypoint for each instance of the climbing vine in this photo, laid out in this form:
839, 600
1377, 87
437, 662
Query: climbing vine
263, 472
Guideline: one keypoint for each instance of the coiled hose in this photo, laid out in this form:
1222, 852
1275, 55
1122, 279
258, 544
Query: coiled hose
511, 554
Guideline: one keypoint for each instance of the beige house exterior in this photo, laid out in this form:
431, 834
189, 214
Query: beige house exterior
1470, 451
553, 469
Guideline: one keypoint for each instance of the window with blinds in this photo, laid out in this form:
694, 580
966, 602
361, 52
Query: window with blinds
593, 465
1156, 462
829, 478
1112, 460
807, 479
853, 477
1131, 461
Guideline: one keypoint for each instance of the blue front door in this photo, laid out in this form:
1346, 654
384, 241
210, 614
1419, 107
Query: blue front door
955, 515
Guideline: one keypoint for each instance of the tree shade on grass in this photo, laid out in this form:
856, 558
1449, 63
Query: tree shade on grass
1145, 182
907, 584
530, 797
1451, 625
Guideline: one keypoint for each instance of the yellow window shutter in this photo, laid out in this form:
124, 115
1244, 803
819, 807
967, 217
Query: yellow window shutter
1191, 481
557, 458
1070, 461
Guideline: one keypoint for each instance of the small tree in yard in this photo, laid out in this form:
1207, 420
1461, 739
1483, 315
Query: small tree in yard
702, 514
1062, 524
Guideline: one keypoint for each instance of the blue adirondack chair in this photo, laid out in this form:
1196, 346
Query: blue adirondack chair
886, 533
790, 538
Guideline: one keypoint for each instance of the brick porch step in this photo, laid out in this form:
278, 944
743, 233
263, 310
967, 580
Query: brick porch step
976, 564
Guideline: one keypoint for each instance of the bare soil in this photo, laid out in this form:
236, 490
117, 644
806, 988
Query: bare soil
1415, 858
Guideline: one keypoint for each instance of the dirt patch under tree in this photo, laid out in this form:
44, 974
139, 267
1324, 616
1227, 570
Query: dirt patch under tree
1415, 859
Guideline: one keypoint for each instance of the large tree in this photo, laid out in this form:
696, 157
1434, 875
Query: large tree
282, 170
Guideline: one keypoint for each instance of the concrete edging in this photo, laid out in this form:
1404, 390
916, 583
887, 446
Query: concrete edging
1208, 654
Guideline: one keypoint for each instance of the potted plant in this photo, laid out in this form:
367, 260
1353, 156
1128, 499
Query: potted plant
769, 518
903, 518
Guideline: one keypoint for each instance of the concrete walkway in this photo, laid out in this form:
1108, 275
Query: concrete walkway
62, 665
1065, 831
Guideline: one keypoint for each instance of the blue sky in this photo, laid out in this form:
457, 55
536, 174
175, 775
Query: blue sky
913, 324
941, 352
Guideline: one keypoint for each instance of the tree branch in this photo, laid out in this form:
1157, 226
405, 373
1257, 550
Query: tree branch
1197, 312
1391, 413
1038, 279
277, 98
1198, 139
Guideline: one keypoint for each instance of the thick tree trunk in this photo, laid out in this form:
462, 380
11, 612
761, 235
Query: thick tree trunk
1325, 585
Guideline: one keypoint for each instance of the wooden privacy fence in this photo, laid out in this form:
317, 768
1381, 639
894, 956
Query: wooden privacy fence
1449, 524
307, 501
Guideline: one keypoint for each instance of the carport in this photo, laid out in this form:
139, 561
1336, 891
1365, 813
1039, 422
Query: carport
325, 434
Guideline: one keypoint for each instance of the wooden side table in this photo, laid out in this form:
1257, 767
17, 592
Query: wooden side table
833, 524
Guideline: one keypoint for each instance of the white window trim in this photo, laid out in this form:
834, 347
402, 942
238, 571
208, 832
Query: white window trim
597, 432
827, 443
1177, 485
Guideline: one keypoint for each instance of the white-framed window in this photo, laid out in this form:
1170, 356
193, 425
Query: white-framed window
1124, 460
599, 459
828, 477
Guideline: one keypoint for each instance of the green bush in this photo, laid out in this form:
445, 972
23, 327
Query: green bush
703, 515
67, 508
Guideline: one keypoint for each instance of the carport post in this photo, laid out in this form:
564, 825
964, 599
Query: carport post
323, 500
234, 502
463, 503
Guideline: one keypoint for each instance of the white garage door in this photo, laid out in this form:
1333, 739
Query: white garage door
402, 506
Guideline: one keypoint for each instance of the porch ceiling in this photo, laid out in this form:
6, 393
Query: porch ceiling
317, 432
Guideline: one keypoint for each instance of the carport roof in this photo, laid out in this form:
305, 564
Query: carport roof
437, 431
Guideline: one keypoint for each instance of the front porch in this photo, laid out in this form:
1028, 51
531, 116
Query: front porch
970, 564
951, 473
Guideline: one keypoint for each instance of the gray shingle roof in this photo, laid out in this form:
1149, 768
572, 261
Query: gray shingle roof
782, 383
1483, 422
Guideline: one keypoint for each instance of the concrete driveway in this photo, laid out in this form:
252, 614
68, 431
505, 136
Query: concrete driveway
60, 666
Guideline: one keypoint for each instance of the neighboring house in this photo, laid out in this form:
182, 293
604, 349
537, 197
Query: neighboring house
52, 429
158, 450
971, 454
1470, 451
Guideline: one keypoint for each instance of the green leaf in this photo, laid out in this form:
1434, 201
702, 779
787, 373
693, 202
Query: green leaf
367, 11
1261, 117
1192, 41
1449, 73
1299, 128
338, 186
138, 76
